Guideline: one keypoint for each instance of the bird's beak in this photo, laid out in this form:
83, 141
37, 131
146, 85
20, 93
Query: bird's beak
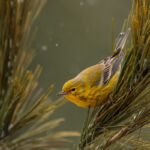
61, 93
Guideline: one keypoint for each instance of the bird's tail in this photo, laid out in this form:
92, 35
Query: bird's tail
120, 42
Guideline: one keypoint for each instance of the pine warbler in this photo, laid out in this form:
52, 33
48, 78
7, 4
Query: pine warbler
92, 86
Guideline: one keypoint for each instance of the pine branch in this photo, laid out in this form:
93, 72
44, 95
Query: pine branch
24, 120
108, 124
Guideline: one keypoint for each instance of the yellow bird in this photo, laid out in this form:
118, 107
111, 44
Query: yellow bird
92, 86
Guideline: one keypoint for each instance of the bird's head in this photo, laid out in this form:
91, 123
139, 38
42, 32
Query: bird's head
73, 90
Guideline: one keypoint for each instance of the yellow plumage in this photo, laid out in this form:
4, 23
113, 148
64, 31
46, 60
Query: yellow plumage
92, 86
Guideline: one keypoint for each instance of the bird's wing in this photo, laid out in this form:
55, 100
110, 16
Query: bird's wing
110, 67
112, 64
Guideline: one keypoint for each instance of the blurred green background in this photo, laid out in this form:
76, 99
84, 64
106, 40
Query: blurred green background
72, 35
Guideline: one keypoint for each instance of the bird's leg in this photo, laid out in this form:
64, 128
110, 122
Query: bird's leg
110, 98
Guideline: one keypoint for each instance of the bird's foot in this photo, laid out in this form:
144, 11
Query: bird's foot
110, 99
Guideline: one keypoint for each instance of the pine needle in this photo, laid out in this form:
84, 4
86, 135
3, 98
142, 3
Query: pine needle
131, 109
24, 121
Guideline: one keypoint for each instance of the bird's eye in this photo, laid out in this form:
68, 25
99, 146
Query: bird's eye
73, 89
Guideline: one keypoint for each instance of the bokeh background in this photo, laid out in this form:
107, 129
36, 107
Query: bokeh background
72, 35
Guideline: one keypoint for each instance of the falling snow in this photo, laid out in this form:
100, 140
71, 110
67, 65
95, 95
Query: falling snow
56, 44
81, 3
44, 48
